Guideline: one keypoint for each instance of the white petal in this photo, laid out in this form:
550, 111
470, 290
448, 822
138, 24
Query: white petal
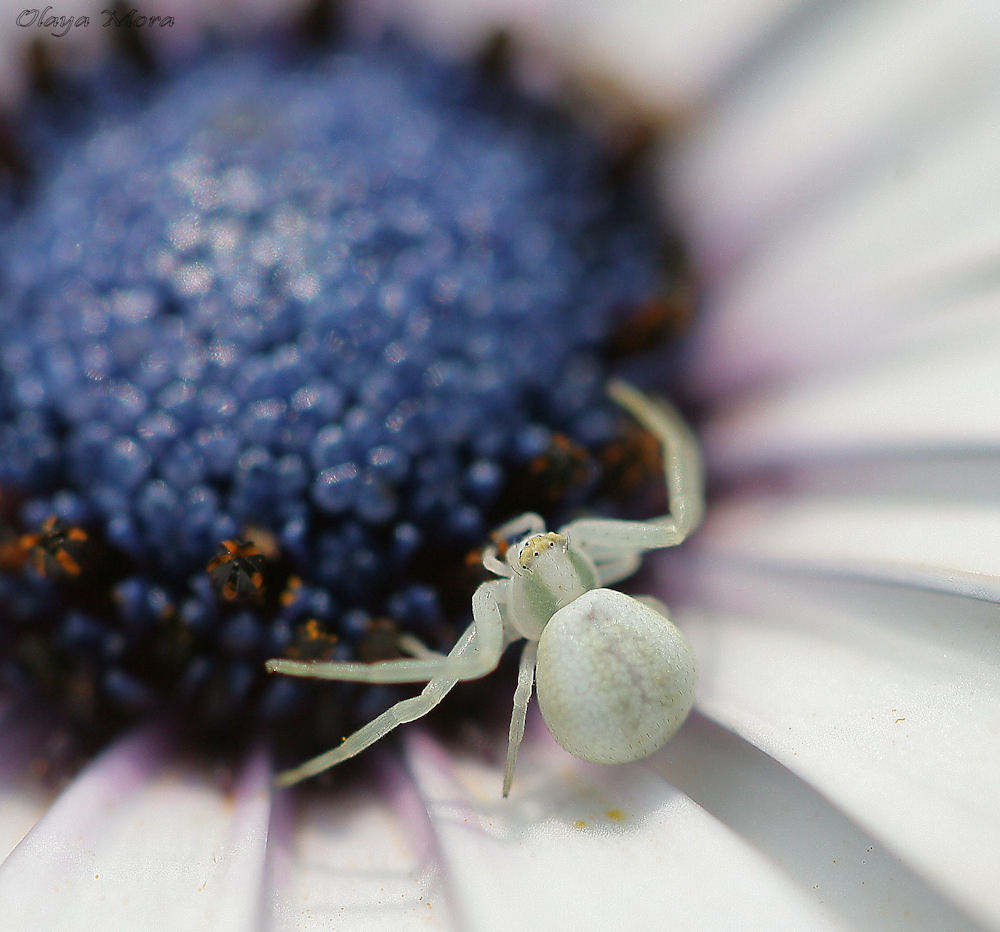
357, 858
582, 846
883, 698
899, 260
842, 199
938, 400
847, 870
948, 546
135, 842
668, 55
863, 87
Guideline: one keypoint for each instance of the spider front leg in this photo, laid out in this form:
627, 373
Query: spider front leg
476, 653
478, 659
613, 544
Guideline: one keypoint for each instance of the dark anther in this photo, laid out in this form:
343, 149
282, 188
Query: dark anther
56, 551
237, 571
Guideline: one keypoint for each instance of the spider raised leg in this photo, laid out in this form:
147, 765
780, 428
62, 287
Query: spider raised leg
615, 678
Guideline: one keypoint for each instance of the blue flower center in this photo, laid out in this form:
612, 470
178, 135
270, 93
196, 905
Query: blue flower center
282, 342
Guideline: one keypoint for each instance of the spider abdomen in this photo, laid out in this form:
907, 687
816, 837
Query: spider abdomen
615, 678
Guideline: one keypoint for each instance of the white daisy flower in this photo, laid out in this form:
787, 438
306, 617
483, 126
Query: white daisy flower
832, 167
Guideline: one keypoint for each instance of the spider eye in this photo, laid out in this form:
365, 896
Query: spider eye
535, 546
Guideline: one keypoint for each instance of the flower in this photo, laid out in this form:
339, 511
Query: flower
833, 174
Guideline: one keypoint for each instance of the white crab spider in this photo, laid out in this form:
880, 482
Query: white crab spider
615, 677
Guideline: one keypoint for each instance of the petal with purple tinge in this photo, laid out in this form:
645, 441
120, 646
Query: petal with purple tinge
139, 840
